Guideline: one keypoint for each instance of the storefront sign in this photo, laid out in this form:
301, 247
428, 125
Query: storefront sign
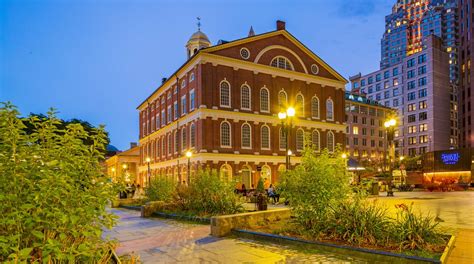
450, 158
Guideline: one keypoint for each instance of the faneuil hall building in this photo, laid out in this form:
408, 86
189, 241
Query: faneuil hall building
221, 108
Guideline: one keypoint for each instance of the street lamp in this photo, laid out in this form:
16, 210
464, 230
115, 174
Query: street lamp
289, 153
149, 171
344, 156
286, 123
189, 154
389, 134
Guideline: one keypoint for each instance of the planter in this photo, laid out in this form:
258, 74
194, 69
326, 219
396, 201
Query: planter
384, 256
261, 202
115, 203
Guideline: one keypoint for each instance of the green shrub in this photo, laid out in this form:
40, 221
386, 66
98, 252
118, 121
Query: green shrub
415, 230
260, 187
316, 188
53, 193
208, 194
160, 189
359, 221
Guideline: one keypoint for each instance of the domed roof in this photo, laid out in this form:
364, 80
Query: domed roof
199, 36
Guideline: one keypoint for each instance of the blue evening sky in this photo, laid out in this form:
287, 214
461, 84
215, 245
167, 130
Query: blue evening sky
97, 60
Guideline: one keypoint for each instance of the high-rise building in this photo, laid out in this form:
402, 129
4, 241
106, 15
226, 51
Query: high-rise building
418, 87
222, 105
466, 44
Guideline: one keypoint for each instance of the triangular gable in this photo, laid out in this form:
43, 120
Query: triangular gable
280, 40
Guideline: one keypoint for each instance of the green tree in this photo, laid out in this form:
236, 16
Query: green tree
53, 195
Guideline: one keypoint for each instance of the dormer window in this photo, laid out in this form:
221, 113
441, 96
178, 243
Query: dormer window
282, 63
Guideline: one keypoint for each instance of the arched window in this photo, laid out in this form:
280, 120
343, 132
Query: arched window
282, 63
300, 105
170, 144
330, 141
266, 173
193, 135
245, 97
329, 110
299, 139
246, 136
315, 107
315, 139
184, 142
282, 139
264, 100
225, 94
265, 137
225, 173
225, 134
282, 99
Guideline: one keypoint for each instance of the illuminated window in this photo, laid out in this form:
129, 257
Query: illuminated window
193, 135
184, 143
355, 130
282, 63
282, 99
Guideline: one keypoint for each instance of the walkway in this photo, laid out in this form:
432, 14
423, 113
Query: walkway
463, 251
167, 241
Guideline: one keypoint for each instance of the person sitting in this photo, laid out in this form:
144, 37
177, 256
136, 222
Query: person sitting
244, 191
272, 194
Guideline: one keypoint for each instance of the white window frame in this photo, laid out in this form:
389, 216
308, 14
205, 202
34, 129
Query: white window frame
192, 136
184, 105
299, 130
286, 98
318, 148
292, 68
332, 109
269, 138
242, 136
333, 141
268, 100
220, 94
319, 108
241, 97
300, 111
281, 133
193, 96
230, 135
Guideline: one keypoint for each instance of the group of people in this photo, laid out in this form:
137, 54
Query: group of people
132, 191
269, 189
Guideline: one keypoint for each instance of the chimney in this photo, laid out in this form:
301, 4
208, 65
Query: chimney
133, 144
280, 25
163, 80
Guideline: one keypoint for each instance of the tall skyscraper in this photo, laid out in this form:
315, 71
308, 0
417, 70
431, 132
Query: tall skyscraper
466, 42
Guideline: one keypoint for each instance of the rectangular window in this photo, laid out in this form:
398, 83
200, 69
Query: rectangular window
422, 105
169, 95
411, 107
386, 84
395, 102
422, 93
422, 81
422, 70
355, 141
395, 81
192, 101
364, 131
422, 116
355, 130
410, 74
421, 58
371, 89
378, 87
423, 127
411, 129
378, 96
395, 71
411, 85
411, 62
411, 140
378, 77
423, 139
163, 119
386, 94
395, 92
370, 80
362, 82
386, 74
354, 119
411, 118
364, 120
411, 96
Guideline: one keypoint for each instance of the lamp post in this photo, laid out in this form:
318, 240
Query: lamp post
289, 153
286, 119
389, 134
149, 172
189, 154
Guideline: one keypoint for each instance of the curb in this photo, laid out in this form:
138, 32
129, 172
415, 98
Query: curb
448, 249
131, 207
293, 239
